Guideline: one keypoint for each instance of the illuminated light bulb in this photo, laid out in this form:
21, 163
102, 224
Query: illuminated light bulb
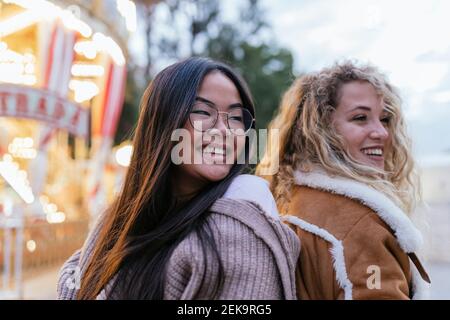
32, 153
28, 142
12, 148
17, 68
29, 80
87, 70
22, 174
18, 22
45, 10
72, 22
51, 208
61, 216
7, 158
83, 89
56, 217
17, 179
91, 54
127, 9
86, 48
123, 155
31, 245
108, 45
11, 69
43, 199
29, 58
29, 68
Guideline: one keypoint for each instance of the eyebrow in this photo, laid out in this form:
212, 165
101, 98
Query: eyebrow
212, 104
366, 108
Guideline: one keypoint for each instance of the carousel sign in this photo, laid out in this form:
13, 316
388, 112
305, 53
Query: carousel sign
26, 102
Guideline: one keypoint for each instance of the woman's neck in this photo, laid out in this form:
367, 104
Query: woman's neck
183, 189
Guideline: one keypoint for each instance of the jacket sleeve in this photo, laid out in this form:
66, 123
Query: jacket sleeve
376, 265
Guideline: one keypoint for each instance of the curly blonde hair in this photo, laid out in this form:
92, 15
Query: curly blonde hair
307, 138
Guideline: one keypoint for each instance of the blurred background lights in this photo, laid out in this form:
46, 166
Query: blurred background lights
31, 245
123, 155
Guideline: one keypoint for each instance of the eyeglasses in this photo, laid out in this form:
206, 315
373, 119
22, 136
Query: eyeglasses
203, 117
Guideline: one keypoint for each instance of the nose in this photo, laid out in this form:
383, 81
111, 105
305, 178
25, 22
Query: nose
379, 132
221, 124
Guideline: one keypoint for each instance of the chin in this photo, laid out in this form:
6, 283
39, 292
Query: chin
374, 165
215, 172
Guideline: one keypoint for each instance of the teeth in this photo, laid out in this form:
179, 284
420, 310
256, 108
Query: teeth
214, 150
377, 152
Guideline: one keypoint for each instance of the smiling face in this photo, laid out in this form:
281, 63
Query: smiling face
217, 94
362, 121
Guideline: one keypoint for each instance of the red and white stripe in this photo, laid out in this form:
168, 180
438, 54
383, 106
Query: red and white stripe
45, 136
60, 58
96, 187
56, 75
114, 98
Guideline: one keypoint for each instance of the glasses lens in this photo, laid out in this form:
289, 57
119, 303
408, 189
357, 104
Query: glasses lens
202, 116
239, 120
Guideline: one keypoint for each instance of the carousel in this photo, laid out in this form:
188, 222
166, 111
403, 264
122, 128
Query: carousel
62, 84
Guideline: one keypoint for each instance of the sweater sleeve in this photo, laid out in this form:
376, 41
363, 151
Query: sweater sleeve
69, 277
185, 271
377, 267
250, 270
70, 273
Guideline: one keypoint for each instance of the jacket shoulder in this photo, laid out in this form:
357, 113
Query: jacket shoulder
373, 253
334, 213
347, 258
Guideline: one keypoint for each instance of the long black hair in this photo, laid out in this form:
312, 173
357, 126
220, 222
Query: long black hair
143, 226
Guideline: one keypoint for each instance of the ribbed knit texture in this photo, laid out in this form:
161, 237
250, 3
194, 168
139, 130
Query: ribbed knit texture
258, 253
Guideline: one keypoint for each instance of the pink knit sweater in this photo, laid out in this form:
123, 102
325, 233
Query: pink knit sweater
258, 253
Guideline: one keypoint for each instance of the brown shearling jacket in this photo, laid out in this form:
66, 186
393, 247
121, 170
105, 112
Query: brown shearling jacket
355, 242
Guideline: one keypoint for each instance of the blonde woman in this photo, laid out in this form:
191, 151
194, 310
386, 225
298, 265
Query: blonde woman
346, 184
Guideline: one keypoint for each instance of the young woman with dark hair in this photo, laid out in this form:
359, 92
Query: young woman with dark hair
198, 230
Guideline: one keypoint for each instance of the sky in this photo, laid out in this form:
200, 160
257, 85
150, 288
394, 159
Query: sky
408, 40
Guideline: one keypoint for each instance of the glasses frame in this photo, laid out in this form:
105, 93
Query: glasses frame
227, 123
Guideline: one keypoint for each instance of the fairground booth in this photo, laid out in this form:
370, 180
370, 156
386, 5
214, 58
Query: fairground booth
62, 84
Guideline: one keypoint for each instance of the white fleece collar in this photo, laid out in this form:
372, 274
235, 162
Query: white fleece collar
408, 236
